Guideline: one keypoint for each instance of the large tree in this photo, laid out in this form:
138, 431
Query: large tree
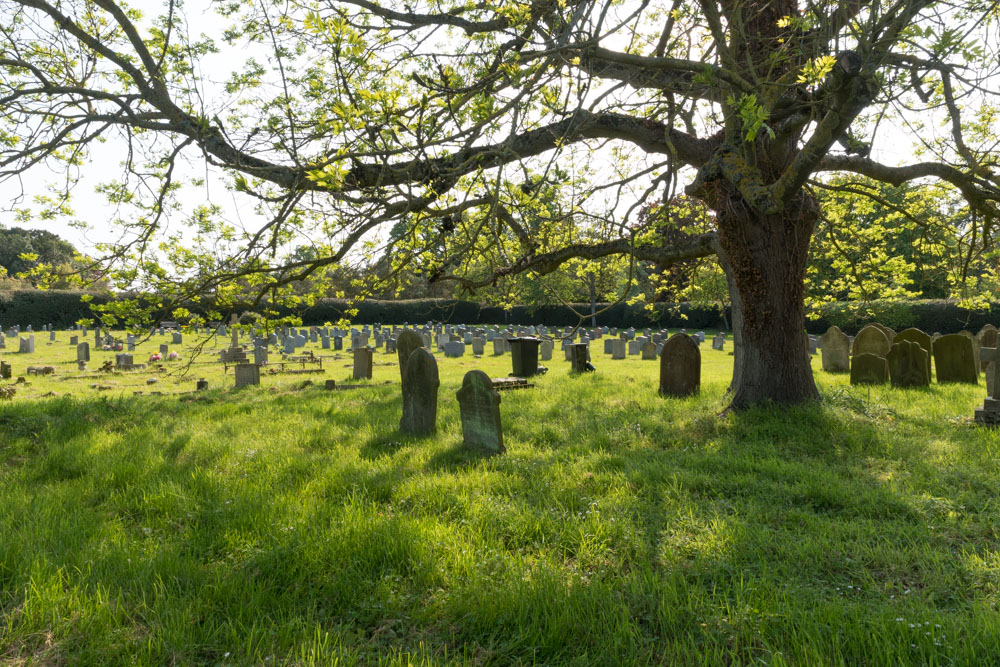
456, 117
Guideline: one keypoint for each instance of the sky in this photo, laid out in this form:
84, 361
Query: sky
893, 148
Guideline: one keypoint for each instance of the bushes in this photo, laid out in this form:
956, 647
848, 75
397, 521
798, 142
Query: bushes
64, 308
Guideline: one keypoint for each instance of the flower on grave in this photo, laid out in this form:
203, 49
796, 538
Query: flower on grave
106, 348
156, 356
173, 356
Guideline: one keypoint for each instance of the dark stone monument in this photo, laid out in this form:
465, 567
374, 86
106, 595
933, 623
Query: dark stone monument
363, 362
420, 393
867, 368
479, 405
920, 338
836, 351
524, 356
578, 357
908, 365
406, 343
871, 340
955, 359
680, 366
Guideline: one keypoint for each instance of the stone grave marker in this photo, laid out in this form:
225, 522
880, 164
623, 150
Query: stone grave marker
5, 370
420, 393
649, 351
908, 365
955, 359
871, 340
247, 375
176, 338
363, 361
524, 356
26, 345
499, 346
608, 345
545, 349
917, 336
719, 341
406, 343
680, 366
617, 348
479, 407
578, 357
83, 351
164, 350
975, 346
454, 348
835, 348
478, 346
868, 368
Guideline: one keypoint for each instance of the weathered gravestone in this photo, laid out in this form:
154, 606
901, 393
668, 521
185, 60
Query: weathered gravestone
454, 348
578, 357
479, 406
719, 342
478, 346
871, 340
649, 351
83, 351
868, 368
975, 347
545, 349
987, 337
176, 338
920, 338
363, 361
27, 345
835, 348
618, 348
908, 365
338, 343
680, 366
499, 346
325, 342
124, 360
608, 345
247, 375
420, 393
889, 333
524, 356
5, 370
955, 359
407, 342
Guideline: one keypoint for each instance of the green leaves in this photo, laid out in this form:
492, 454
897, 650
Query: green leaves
752, 114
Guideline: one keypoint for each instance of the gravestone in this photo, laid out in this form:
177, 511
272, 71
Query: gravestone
608, 345
975, 346
5, 370
390, 346
363, 361
74, 340
987, 337
545, 349
719, 341
83, 351
578, 357
680, 366
176, 338
868, 368
524, 356
870, 340
479, 407
917, 336
618, 348
649, 351
124, 360
407, 342
247, 375
454, 348
164, 350
955, 359
499, 346
478, 346
420, 392
889, 333
201, 385
835, 348
325, 342
52, 335
338, 343
908, 365
260, 355
26, 345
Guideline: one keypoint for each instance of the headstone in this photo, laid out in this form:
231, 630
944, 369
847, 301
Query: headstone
719, 341
920, 338
478, 346
363, 359
649, 351
247, 374
870, 340
680, 366
52, 335
908, 365
201, 385
479, 406
27, 344
454, 348
545, 349
955, 359
499, 346
5, 370
124, 360
987, 337
164, 350
608, 345
325, 342
420, 390
524, 356
406, 343
338, 343
83, 351
835, 348
578, 357
975, 347
176, 338
260, 354
618, 348
868, 368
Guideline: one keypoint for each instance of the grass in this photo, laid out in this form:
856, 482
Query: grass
280, 525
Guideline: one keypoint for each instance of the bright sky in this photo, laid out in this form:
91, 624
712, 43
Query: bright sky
892, 148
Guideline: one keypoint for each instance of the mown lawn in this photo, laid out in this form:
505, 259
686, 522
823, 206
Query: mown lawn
282, 525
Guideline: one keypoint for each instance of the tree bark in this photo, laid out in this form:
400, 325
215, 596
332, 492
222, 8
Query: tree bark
764, 258
593, 300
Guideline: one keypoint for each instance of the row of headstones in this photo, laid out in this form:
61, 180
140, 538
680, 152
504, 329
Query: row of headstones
878, 355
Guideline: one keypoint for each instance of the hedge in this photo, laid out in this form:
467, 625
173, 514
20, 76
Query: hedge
64, 308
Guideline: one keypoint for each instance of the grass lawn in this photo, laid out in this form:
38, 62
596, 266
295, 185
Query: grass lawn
289, 525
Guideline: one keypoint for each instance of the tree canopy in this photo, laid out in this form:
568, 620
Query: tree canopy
502, 138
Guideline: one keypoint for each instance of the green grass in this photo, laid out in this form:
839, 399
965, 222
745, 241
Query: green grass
297, 526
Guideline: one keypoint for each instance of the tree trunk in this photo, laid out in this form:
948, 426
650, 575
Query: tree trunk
764, 258
593, 300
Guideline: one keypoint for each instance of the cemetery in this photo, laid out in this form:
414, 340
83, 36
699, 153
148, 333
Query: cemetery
526, 332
